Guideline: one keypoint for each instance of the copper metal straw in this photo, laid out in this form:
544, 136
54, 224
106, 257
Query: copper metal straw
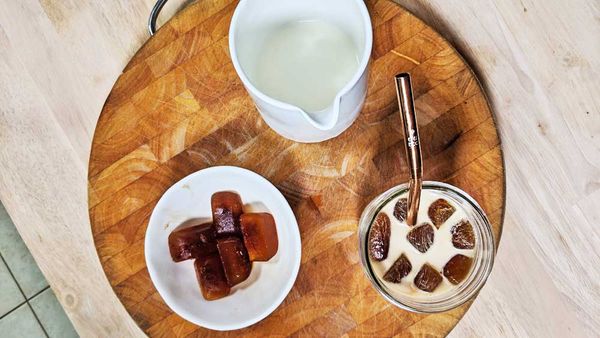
412, 144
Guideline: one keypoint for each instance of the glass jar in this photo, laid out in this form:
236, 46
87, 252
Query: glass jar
482, 261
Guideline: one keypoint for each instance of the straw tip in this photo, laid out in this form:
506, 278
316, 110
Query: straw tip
403, 76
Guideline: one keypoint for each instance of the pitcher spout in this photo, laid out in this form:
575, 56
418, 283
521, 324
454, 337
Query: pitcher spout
327, 118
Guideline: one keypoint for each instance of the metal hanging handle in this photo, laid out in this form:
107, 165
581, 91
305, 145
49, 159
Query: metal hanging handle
412, 144
158, 6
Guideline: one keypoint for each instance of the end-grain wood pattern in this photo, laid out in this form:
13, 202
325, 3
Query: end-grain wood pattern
179, 107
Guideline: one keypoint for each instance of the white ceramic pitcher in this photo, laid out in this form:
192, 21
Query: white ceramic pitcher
253, 17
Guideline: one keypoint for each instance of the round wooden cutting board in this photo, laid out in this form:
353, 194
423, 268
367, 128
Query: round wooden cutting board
179, 107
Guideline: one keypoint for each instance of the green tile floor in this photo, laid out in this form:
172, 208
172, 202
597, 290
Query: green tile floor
28, 307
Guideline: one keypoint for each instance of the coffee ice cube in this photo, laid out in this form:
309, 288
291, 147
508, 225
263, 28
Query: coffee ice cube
400, 209
421, 237
260, 236
235, 259
428, 278
210, 275
192, 242
226, 211
463, 236
440, 211
457, 268
400, 269
379, 237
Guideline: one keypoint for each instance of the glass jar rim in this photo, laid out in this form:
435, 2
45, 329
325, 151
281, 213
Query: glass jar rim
483, 260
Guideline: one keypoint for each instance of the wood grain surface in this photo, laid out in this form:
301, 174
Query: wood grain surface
537, 60
179, 107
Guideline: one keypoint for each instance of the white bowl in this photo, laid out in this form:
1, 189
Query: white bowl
269, 283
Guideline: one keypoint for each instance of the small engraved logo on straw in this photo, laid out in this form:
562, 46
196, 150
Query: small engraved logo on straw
412, 141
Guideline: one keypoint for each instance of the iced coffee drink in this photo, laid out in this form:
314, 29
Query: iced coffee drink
434, 265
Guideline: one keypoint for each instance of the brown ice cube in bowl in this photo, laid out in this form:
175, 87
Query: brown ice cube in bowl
235, 260
428, 278
211, 277
226, 210
192, 242
379, 237
260, 236
458, 268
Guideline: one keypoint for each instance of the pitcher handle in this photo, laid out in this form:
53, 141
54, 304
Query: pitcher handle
158, 6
